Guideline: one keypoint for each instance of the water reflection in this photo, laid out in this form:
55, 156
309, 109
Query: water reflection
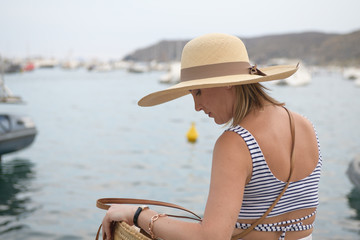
15, 186
354, 201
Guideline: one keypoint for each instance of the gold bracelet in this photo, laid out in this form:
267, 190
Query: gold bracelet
151, 224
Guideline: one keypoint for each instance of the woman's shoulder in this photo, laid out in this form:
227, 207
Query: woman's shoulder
303, 122
231, 136
231, 141
231, 150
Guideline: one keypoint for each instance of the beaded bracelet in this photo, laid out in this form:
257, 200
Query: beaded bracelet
151, 224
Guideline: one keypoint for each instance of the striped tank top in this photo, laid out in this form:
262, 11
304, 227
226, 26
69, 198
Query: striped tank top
264, 187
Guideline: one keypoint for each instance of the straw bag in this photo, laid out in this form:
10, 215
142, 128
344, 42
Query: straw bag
122, 231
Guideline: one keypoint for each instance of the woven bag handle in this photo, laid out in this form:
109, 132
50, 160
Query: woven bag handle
102, 203
247, 231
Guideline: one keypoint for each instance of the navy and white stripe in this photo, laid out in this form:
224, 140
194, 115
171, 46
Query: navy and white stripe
284, 226
264, 187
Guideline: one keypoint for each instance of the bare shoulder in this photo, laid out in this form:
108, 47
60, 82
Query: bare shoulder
231, 141
232, 152
306, 147
303, 124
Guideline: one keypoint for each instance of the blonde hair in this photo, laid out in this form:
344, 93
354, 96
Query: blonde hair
249, 97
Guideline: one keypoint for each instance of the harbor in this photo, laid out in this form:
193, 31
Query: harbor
94, 141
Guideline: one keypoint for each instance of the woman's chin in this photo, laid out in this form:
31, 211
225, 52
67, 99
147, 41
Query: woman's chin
222, 121
218, 122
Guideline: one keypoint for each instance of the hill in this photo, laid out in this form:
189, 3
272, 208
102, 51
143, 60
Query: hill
314, 48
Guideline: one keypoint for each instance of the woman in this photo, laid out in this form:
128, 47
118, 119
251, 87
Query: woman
252, 160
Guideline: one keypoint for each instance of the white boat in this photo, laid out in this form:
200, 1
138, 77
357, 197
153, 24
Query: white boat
103, 67
121, 65
138, 67
45, 63
302, 77
71, 64
173, 74
6, 96
351, 73
16, 133
353, 171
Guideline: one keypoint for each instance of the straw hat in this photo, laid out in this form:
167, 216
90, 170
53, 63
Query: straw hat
216, 60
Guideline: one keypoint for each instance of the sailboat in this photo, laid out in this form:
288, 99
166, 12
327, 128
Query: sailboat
6, 96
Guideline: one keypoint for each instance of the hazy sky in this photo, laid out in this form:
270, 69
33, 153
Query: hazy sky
114, 28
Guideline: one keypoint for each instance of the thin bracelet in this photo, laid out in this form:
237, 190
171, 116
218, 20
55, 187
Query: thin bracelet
151, 224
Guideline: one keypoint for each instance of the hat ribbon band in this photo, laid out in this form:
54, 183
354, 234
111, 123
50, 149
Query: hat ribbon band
219, 70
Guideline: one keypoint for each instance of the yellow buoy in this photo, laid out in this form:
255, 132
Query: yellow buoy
192, 133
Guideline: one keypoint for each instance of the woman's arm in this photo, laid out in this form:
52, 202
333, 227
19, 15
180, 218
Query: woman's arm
231, 169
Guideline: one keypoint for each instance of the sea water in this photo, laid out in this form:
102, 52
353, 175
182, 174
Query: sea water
94, 141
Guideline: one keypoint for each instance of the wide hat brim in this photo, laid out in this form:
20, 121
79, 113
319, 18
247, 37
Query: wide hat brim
182, 88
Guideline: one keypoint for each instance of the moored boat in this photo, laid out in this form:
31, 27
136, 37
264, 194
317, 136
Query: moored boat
172, 75
16, 133
6, 96
353, 171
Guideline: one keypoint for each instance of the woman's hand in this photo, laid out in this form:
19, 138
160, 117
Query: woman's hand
117, 212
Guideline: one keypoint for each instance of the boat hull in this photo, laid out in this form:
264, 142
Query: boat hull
12, 142
16, 133
353, 171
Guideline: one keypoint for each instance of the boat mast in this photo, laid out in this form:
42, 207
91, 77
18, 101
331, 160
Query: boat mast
2, 85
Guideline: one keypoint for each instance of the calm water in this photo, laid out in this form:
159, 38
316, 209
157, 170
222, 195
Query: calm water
94, 141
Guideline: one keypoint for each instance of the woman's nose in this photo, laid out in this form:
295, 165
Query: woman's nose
197, 106
196, 102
